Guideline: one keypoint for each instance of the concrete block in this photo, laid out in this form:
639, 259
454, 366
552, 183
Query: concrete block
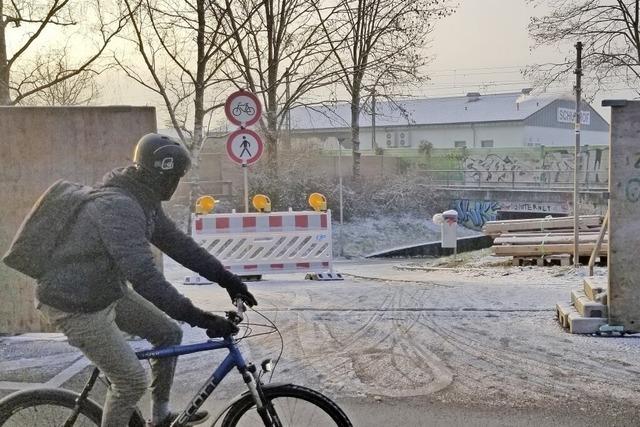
576, 294
602, 298
324, 276
585, 325
562, 313
588, 308
593, 286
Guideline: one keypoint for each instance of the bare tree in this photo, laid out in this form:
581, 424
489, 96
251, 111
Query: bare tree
282, 55
384, 43
608, 30
28, 66
181, 44
80, 89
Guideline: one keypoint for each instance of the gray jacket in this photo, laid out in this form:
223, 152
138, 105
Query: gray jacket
109, 244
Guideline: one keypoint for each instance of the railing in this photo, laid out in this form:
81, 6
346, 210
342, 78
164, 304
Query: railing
541, 179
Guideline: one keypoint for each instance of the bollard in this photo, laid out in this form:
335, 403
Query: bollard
449, 227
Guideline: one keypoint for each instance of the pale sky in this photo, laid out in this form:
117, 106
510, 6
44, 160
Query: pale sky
486, 33
482, 47
485, 44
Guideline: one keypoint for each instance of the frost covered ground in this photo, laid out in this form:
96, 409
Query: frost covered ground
441, 342
362, 236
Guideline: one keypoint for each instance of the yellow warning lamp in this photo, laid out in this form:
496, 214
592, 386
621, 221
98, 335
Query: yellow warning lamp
205, 204
318, 202
262, 203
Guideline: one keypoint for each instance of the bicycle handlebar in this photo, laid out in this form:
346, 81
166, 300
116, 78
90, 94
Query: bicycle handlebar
237, 316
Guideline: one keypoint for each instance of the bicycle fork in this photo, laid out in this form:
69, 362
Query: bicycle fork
264, 407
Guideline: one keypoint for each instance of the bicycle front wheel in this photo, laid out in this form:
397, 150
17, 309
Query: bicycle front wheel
293, 405
46, 407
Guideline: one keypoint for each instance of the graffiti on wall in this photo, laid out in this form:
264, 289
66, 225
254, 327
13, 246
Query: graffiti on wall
632, 188
536, 207
553, 166
493, 168
475, 213
558, 166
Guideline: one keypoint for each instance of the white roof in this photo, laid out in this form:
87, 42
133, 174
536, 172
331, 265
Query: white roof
427, 111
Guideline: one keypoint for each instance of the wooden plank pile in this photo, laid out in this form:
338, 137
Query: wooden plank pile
545, 240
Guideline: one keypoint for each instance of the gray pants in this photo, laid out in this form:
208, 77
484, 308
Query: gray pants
99, 336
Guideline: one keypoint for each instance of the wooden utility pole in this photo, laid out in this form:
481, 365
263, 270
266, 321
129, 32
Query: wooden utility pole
576, 185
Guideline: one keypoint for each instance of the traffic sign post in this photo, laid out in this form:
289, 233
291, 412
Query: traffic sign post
244, 146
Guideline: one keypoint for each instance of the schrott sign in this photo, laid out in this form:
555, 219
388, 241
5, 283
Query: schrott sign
568, 115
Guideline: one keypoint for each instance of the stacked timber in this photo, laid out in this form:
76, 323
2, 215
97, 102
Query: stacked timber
545, 239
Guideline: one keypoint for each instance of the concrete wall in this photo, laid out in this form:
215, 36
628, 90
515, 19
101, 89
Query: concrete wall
40, 145
624, 217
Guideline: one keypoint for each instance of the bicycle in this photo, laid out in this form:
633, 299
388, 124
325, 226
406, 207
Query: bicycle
243, 108
271, 404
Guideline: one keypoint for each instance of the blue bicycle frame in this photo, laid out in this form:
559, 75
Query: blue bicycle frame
233, 360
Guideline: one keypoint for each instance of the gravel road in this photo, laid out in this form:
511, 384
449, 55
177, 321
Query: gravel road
401, 343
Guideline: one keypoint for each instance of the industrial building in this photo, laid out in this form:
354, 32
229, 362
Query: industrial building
518, 119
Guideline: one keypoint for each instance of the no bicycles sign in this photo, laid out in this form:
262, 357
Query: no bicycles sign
243, 108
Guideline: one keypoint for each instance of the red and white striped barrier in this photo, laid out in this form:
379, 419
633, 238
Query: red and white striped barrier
250, 244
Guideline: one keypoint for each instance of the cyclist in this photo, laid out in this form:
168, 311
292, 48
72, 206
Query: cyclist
86, 295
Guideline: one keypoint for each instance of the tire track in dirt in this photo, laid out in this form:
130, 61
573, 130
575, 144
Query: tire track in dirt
365, 355
449, 336
519, 372
540, 360
484, 362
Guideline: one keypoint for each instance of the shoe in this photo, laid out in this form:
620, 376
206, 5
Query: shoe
197, 418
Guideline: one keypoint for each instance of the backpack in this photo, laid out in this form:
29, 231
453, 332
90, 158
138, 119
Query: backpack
42, 229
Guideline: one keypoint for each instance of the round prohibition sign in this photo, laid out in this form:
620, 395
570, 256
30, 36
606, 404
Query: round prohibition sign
243, 108
244, 146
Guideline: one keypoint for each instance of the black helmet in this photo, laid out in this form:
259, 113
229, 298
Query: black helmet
163, 161
162, 155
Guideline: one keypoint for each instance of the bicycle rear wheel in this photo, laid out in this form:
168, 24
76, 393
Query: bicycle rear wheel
52, 407
46, 407
294, 406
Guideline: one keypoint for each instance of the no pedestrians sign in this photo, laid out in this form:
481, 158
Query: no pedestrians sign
244, 146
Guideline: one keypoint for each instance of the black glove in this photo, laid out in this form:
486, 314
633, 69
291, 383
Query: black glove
236, 288
216, 326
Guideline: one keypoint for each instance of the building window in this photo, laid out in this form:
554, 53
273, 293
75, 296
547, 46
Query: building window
460, 144
487, 143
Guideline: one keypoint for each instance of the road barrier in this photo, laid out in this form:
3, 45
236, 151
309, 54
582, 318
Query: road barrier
251, 244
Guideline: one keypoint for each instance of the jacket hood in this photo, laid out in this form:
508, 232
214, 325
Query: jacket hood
134, 181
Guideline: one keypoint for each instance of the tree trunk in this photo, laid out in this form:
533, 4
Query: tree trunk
272, 88
198, 120
355, 134
5, 95
272, 141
